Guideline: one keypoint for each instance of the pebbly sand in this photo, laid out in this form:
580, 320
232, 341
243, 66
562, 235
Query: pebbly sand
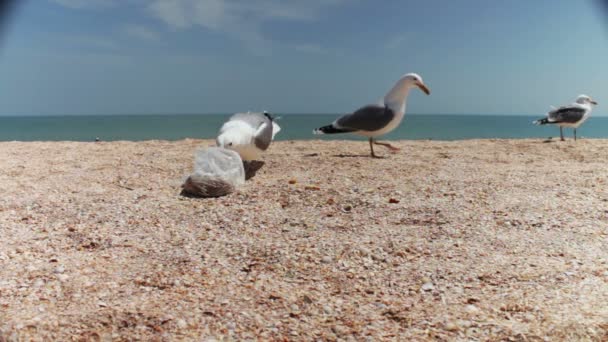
480, 239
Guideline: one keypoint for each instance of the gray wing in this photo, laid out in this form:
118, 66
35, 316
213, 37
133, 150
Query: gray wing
263, 138
566, 115
253, 119
368, 118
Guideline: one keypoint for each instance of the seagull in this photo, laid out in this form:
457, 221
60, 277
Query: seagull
249, 134
571, 116
376, 120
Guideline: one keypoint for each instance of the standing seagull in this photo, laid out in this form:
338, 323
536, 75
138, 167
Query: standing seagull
571, 116
249, 134
376, 120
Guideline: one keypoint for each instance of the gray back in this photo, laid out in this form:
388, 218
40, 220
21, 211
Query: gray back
255, 120
567, 114
368, 118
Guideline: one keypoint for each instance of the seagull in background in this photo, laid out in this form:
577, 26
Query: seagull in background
375, 120
570, 116
249, 134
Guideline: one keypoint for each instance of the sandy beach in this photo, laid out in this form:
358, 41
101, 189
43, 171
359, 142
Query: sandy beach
467, 240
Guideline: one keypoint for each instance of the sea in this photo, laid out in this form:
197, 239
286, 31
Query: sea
293, 126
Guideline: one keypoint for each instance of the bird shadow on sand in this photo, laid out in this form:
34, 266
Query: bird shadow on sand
342, 155
252, 167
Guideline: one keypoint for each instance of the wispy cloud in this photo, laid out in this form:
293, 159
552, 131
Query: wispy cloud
142, 33
92, 42
310, 48
80, 4
237, 18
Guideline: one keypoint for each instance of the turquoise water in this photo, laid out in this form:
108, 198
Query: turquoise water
294, 126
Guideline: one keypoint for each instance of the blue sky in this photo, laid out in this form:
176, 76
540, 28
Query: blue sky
299, 56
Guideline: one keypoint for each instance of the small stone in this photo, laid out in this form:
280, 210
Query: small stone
463, 324
427, 287
62, 277
326, 259
59, 269
451, 326
294, 308
380, 306
181, 323
39, 283
471, 309
339, 330
529, 317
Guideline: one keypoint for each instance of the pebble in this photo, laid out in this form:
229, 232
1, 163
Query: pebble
62, 277
326, 260
472, 309
427, 287
59, 269
450, 326
463, 323
181, 323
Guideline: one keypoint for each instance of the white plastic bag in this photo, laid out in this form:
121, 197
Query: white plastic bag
217, 172
217, 162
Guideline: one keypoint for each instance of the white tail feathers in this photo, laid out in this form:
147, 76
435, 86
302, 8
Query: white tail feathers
275, 129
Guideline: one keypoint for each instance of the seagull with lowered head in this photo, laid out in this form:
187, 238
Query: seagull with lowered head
249, 134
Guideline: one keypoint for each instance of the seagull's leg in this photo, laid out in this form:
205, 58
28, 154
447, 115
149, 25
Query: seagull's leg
561, 133
389, 146
575, 134
371, 146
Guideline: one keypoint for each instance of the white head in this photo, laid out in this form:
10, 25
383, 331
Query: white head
414, 80
233, 134
585, 100
395, 98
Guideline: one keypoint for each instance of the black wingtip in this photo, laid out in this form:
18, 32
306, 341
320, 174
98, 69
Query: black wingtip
269, 116
330, 129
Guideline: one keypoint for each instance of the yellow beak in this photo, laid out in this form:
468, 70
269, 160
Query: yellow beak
423, 88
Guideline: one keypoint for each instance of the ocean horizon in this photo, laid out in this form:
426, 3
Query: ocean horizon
141, 127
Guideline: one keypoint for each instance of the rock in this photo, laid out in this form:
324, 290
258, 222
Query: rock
62, 277
326, 259
427, 287
59, 269
471, 309
451, 326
